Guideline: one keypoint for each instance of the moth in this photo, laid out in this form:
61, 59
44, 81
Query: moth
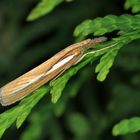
53, 67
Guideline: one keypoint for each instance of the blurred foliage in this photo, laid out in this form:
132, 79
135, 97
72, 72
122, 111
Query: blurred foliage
127, 126
44, 7
134, 4
87, 109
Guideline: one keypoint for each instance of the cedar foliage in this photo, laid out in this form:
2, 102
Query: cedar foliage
80, 107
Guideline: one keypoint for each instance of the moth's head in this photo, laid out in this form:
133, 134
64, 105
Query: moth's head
93, 42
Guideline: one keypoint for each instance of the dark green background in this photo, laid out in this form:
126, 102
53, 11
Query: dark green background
88, 109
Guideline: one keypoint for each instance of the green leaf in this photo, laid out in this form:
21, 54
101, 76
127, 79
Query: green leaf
127, 126
103, 67
134, 4
71, 91
106, 63
28, 103
44, 7
109, 23
21, 111
59, 84
108, 58
130, 26
7, 119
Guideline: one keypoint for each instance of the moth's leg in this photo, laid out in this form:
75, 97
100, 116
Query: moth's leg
79, 59
58, 75
93, 52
